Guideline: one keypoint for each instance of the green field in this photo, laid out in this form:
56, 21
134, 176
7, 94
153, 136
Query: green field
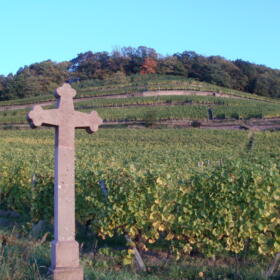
147, 149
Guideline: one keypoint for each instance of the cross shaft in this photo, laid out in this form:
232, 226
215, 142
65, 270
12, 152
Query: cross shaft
65, 250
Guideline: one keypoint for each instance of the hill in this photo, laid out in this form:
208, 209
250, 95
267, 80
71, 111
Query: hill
121, 66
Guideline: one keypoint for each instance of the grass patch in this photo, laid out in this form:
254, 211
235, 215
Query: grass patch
29, 259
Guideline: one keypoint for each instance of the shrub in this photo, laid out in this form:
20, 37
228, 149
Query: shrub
150, 118
235, 116
221, 116
195, 124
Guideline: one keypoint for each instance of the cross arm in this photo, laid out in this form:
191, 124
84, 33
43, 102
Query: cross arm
89, 121
38, 117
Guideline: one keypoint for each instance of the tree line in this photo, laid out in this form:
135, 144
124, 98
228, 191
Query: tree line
42, 78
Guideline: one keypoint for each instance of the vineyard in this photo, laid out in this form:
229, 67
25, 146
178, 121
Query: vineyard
140, 84
186, 193
164, 108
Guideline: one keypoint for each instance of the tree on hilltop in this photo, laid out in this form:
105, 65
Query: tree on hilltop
149, 66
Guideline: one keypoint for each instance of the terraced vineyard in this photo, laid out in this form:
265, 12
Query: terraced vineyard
144, 100
181, 191
138, 85
164, 108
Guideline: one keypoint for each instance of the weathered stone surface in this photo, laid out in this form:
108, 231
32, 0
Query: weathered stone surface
65, 250
64, 117
65, 254
67, 273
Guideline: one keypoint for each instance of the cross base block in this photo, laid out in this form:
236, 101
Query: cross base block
66, 273
65, 254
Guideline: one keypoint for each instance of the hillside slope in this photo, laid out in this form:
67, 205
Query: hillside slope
163, 102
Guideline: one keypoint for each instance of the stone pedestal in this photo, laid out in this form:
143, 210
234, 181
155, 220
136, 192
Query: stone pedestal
66, 273
65, 261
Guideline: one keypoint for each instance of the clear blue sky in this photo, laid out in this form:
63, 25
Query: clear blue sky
36, 30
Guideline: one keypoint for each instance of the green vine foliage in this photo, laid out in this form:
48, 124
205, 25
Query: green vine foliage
231, 207
235, 205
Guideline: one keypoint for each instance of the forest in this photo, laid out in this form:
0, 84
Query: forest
43, 77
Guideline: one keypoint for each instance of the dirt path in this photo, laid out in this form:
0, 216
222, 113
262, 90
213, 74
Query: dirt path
253, 124
140, 94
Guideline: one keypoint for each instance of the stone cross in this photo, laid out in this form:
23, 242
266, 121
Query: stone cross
65, 250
